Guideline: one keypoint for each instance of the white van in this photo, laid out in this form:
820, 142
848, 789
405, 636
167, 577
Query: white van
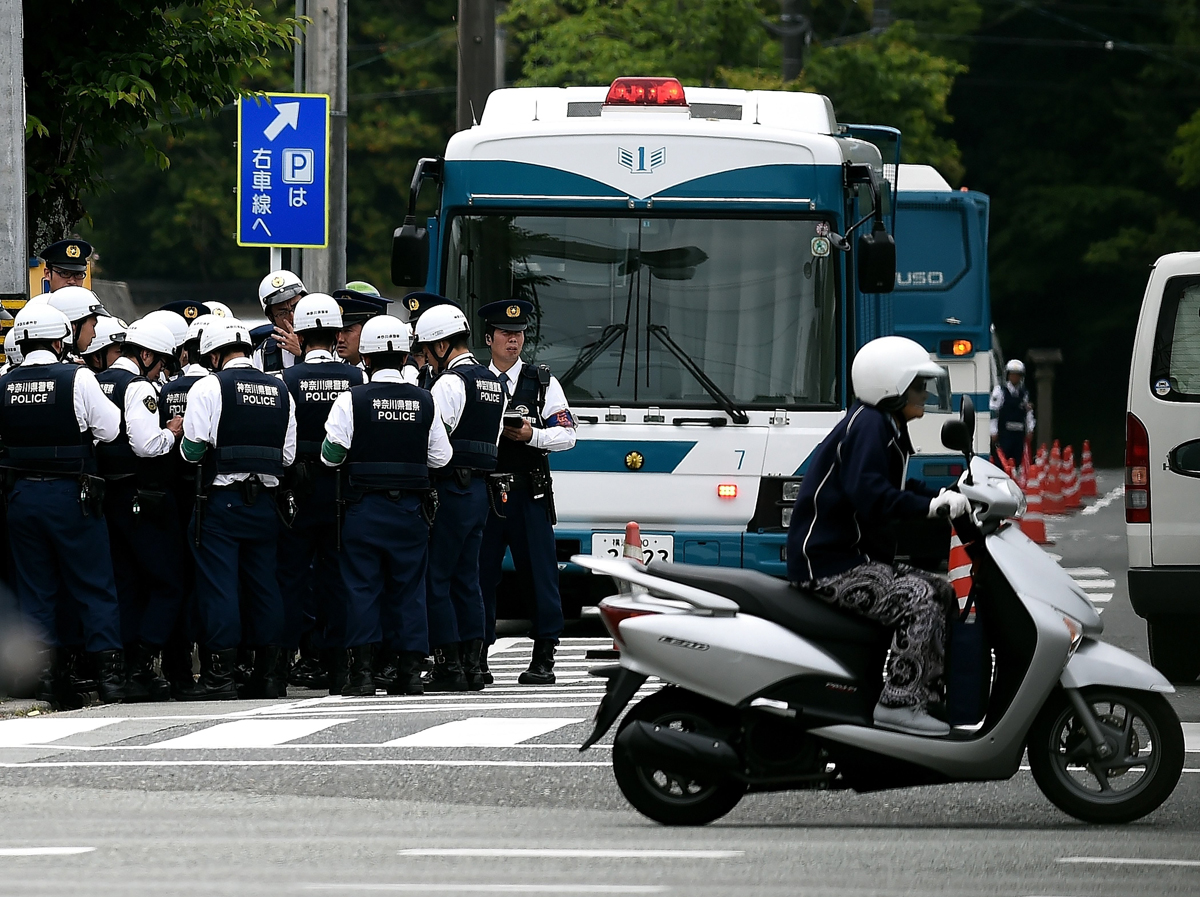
1162, 466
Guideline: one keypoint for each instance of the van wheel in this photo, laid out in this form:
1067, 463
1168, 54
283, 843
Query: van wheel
1173, 647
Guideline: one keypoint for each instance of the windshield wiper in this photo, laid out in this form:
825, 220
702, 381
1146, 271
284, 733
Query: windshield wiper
727, 405
589, 354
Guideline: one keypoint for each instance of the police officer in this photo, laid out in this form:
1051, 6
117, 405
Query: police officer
82, 308
51, 415
278, 294
315, 603
144, 555
527, 526
387, 435
66, 263
1012, 413
241, 425
470, 404
417, 304
177, 324
359, 302
105, 347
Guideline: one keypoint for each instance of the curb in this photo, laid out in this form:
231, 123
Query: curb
11, 708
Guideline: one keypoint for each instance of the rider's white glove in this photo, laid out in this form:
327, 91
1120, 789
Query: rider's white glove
954, 502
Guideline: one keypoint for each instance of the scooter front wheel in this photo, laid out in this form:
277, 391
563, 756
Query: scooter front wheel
668, 796
1145, 761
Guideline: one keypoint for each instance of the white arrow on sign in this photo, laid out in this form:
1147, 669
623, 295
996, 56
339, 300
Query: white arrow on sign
287, 114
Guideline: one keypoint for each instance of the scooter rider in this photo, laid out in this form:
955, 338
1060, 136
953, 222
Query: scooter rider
838, 544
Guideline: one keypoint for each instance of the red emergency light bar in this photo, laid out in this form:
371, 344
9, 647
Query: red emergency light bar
646, 92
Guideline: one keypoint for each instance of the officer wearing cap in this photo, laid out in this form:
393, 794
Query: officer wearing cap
82, 308
470, 403
1012, 413
66, 263
315, 603
278, 294
387, 437
241, 425
359, 302
145, 550
527, 527
105, 347
51, 416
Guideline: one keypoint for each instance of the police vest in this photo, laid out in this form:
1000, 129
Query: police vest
116, 458
253, 425
1011, 416
172, 402
315, 386
272, 356
478, 428
38, 425
390, 448
528, 399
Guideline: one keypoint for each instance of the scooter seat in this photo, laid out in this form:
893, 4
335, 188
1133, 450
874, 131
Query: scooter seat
774, 599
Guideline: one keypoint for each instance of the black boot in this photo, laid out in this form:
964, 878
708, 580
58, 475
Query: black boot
541, 667
386, 666
447, 673
244, 668
110, 672
488, 678
216, 681
142, 681
408, 674
337, 663
361, 681
55, 685
308, 672
265, 679
471, 651
177, 668
79, 670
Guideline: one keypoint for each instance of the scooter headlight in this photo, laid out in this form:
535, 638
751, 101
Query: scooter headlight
1075, 629
1014, 492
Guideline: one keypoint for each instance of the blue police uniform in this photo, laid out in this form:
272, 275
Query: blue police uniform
1011, 420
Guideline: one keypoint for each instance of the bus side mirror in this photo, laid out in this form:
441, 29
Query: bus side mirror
877, 261
410, 254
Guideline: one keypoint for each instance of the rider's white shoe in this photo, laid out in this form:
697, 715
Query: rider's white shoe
910, 721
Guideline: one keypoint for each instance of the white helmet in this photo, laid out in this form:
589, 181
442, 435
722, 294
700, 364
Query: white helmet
220, 309
151, 335
12, 352
225, 332
41, 321
1015, 366
77, 303
384, 333
175, 323
886, 367
109, 331
279, 286
441, 322
317, 311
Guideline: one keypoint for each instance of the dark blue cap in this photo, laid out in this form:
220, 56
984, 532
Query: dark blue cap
507, 314
70, 255
418, 303
358, 307
187, 308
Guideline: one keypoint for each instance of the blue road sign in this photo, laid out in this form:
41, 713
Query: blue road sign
283, 170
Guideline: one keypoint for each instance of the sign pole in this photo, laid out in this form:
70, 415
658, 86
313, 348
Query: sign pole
276, 258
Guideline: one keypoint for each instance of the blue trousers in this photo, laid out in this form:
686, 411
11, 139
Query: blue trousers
309, 574
147, 552
238, 546
527, 531
1012, 444
385, 547
452, 583
59, 554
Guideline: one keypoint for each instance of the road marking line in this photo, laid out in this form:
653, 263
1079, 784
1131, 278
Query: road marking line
27, 732
442, 708
247, 733
443, 887
1086, 584
514, 764
1100, 597
1085, 572
338, 746
1129, 861
1103, 503
42, 851
485, 731
632, 853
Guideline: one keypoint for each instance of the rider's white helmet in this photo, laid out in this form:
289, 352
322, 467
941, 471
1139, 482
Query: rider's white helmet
886, 367
384, 333
279, 286
1015, 366
224, 332
108, 332
441, 322
317, 311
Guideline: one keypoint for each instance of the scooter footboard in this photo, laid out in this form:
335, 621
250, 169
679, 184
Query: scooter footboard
1098, 663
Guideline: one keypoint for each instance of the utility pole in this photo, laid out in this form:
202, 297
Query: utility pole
476, 58
796, 31
14, 248
295, 262
324, 64
881, 15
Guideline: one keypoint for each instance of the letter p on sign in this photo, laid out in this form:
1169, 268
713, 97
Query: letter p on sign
297, 166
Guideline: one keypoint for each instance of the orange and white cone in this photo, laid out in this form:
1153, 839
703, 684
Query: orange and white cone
1052, 498
960, 574
1087, 473
632, 548
1033, 524
1070, 490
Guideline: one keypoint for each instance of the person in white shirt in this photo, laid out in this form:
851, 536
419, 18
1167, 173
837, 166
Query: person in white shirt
278, 294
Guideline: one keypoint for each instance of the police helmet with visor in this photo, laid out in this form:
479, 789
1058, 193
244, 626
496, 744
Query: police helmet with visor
220, 309
441, 322
109, 331
1015, 366
175, 323
384, 333
885, 368
152, 336
40, 322
77, 303
317, 311
279, 286
225, 333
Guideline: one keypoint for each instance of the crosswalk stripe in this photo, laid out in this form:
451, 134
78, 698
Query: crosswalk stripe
1085, 572
492, 731
1086, 584
26, 732
248, 733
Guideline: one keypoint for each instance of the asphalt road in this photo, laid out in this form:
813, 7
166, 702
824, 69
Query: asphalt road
486, 793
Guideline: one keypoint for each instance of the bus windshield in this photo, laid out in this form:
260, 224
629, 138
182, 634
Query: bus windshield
678, 312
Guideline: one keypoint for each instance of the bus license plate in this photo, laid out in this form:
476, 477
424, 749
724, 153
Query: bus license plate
654, 548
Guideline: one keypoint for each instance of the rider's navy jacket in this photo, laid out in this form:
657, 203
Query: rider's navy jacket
853, 488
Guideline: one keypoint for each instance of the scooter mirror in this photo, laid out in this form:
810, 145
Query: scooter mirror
956, 436
968, 414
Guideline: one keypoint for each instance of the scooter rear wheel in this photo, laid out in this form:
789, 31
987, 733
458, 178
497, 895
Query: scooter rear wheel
1147, 759
666, 796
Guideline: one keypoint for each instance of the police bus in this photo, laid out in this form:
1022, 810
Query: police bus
697, 279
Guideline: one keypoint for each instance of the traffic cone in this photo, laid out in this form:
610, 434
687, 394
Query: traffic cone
1070, 489
1087, 473
1033, 524
960, 574
1026, 466
632, 548
1052, 498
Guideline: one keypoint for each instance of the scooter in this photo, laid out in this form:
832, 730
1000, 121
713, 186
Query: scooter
769, 688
